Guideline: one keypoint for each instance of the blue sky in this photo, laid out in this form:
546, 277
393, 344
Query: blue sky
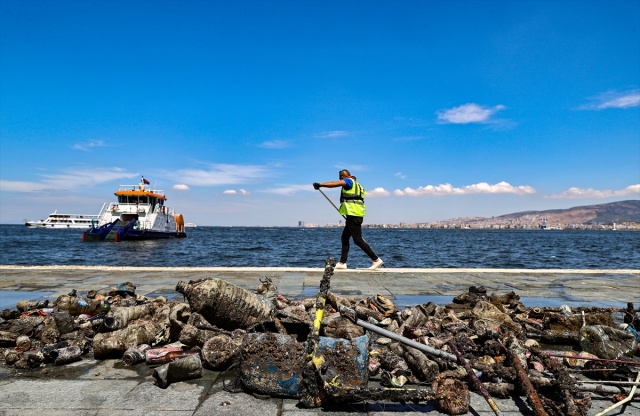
233, 108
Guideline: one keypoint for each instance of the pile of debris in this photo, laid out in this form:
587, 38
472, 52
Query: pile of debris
337, 349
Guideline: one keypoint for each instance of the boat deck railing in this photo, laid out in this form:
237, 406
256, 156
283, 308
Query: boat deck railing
140, 187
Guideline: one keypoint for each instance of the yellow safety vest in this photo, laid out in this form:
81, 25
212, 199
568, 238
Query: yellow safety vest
352, 200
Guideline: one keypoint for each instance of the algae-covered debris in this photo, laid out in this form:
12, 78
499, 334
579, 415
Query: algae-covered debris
552, 356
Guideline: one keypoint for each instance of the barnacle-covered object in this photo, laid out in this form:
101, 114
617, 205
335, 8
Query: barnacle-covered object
224, 304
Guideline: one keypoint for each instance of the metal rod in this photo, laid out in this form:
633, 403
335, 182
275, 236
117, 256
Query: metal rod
623, 383
344, 311
475, 380
532, 395
331, 202
578, 357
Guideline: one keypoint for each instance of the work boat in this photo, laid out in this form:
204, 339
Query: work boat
57, 221
139, 214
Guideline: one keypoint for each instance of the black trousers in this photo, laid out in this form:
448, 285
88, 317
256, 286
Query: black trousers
353, 229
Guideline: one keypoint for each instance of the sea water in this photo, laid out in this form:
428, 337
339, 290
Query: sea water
309, 247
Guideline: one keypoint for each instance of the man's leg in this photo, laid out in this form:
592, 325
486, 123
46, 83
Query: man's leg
346, 235
355, 227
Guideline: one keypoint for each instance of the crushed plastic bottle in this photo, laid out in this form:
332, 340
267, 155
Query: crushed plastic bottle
77, 305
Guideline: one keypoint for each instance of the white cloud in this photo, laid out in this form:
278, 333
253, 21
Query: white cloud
479, 188
242, 192
288, 190
275, 144
468, 113
400, 175
331, 134
577, 193
89, 145
614, 99
70, 180
378, 192
18, 186
180, 187
220, 174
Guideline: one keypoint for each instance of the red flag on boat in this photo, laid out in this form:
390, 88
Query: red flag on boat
146, 182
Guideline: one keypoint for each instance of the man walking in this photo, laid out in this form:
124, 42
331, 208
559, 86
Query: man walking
353, 209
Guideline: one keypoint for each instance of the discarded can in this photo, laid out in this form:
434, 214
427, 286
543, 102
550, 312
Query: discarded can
223, 304
23, 342
182, 369
135, 355
66, 355
47, 350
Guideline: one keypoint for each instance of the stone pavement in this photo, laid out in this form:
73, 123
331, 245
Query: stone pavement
94, 387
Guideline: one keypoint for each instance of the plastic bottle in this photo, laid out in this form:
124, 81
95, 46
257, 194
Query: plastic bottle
27, 305
225, 305
77, 305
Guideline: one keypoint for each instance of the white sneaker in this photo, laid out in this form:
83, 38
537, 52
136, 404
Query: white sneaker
376, 263
340, 266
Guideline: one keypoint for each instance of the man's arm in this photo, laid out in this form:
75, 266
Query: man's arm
332, 184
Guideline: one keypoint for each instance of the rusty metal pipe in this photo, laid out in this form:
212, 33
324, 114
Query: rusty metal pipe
534, 400
610, 360
350, 313
476, 381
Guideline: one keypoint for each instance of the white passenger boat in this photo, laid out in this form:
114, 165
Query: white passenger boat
139, 214
55, 220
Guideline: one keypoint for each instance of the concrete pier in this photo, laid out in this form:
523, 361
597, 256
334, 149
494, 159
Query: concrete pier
93, 387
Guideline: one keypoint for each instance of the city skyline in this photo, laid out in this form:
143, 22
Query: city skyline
233, 109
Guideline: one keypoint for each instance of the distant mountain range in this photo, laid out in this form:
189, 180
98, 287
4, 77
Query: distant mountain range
614, 212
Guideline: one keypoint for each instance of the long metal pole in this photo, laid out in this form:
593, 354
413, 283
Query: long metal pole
475, 380
350, 313
331, 202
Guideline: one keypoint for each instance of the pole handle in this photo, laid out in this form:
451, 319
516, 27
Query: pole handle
331, 202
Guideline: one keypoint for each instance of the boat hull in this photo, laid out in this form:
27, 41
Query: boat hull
139, 214
64, 221
127, 231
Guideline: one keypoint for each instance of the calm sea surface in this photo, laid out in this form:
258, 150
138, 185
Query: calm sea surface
309, 247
